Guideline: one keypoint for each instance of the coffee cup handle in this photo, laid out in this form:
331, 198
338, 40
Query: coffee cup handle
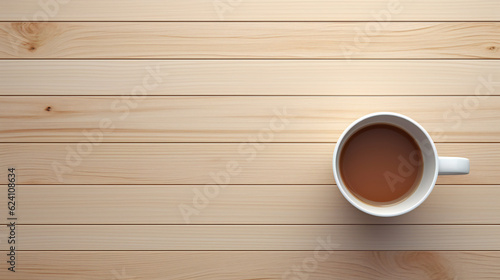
453, 165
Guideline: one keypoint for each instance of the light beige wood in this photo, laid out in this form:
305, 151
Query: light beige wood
338, 265
244, 204
245, 163
92, 207
248, 40
251, 77
256, 237
162, 10
237, 118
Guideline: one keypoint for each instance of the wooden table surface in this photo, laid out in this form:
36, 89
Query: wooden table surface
164, 139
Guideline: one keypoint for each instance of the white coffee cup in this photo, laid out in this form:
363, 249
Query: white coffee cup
432, 164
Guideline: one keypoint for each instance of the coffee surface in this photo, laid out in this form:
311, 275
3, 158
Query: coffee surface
381, 164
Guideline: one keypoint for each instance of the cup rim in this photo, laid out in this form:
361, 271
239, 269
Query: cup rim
343, 188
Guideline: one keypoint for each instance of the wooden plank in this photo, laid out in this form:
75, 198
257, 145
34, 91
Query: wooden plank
341, 40
236, 119
244, 204
337, 10
250, 77
255, 237
244, 163
338, 265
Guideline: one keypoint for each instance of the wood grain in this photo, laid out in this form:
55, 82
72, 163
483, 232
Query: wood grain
237, 119
245, 163
103, 174
251, 77
256, 237
341, 40
277, 10
243, 204
338, 265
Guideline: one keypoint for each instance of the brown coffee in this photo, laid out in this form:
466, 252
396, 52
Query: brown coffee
381, 164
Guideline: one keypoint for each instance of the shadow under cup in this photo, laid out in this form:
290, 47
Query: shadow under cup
429, 169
